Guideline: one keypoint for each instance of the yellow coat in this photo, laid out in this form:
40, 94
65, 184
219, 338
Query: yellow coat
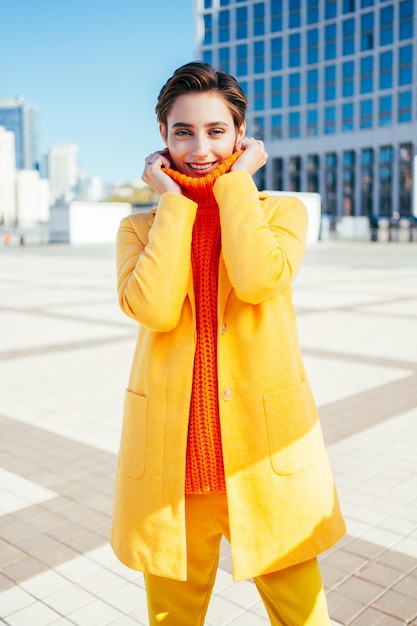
283, 506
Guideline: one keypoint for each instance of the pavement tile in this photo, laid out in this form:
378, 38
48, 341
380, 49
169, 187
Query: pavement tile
361, 590
38, 614
97, 613
379, 574
398, 605
398, 560
67, 428
343, 608
372, 617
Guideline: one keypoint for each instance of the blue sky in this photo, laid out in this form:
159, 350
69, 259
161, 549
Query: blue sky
94, 68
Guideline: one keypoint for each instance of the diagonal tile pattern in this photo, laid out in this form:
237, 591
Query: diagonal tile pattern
65, 351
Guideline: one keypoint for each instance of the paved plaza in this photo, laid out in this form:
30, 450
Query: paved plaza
65, 353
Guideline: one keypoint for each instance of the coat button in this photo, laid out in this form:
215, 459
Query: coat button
224, 328
227, 394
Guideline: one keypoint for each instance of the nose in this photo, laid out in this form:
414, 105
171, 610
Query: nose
200, 146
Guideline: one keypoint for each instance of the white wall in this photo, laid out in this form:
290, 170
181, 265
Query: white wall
32, 197
86, 222
7, 176
312, 202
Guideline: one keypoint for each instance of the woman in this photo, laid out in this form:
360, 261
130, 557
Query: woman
220, 434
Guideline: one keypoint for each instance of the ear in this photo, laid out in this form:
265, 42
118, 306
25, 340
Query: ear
240, 134
162, 131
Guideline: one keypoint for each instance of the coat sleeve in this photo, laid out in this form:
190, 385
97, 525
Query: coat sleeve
154, 266
263, 241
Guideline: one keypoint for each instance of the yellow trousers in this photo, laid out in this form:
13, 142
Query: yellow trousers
292, 597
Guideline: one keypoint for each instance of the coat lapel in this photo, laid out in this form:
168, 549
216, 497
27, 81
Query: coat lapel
224, 288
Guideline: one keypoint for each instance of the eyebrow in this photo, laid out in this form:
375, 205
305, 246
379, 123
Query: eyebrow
209, 124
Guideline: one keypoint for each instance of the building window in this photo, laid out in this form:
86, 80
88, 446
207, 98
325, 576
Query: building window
276, 126
312, 123
330, 9
348, 71
276, 16
224, 23
208, 56
242, 60
259, 128
294, 124
312, 86
386, 156
294, 82
259, 89
276, 92
330, 177
294, 50
259, 19
294, 18
406, 19
241, 22
312, 11
367, 3
312, 46
385, 110
260, 178
330, 82
405, 154
207, 4
294, 167
224, 59
348, 161
367, 182
313, 169
367, 72
276, 53
258, 57
367, 31
385, 70
330, 120
208, 30
405, 63
349, 37
386, 20
330, 41
347, 117
366, 114
405, 101
277, 174
348, 6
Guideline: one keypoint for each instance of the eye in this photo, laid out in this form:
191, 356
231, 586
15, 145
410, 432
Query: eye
216, 131
182, 133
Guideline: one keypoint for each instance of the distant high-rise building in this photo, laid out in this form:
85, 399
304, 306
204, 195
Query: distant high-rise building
63, 170
331, 86
7, 177
23, 120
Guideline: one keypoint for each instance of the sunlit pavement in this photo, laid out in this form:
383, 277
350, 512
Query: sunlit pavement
65, 353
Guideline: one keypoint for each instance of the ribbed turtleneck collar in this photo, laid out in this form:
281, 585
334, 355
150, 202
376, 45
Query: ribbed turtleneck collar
200, 189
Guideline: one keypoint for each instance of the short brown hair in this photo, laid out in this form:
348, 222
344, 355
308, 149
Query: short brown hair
202, 77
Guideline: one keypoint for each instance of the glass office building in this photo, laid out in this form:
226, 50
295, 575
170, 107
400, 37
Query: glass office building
23, 120
332, 90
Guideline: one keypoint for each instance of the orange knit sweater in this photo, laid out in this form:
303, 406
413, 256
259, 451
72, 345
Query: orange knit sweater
204, 463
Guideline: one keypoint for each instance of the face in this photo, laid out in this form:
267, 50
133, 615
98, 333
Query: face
200, 133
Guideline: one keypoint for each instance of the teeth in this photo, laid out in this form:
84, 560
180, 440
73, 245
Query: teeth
204, 166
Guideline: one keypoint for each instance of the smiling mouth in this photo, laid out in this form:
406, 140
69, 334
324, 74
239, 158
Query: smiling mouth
201, 167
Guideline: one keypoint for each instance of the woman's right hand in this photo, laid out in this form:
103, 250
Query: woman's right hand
154, 175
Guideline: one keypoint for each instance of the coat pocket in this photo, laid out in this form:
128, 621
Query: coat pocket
294, 433
133, 439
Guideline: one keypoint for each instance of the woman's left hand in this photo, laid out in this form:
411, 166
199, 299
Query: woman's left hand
253, 158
